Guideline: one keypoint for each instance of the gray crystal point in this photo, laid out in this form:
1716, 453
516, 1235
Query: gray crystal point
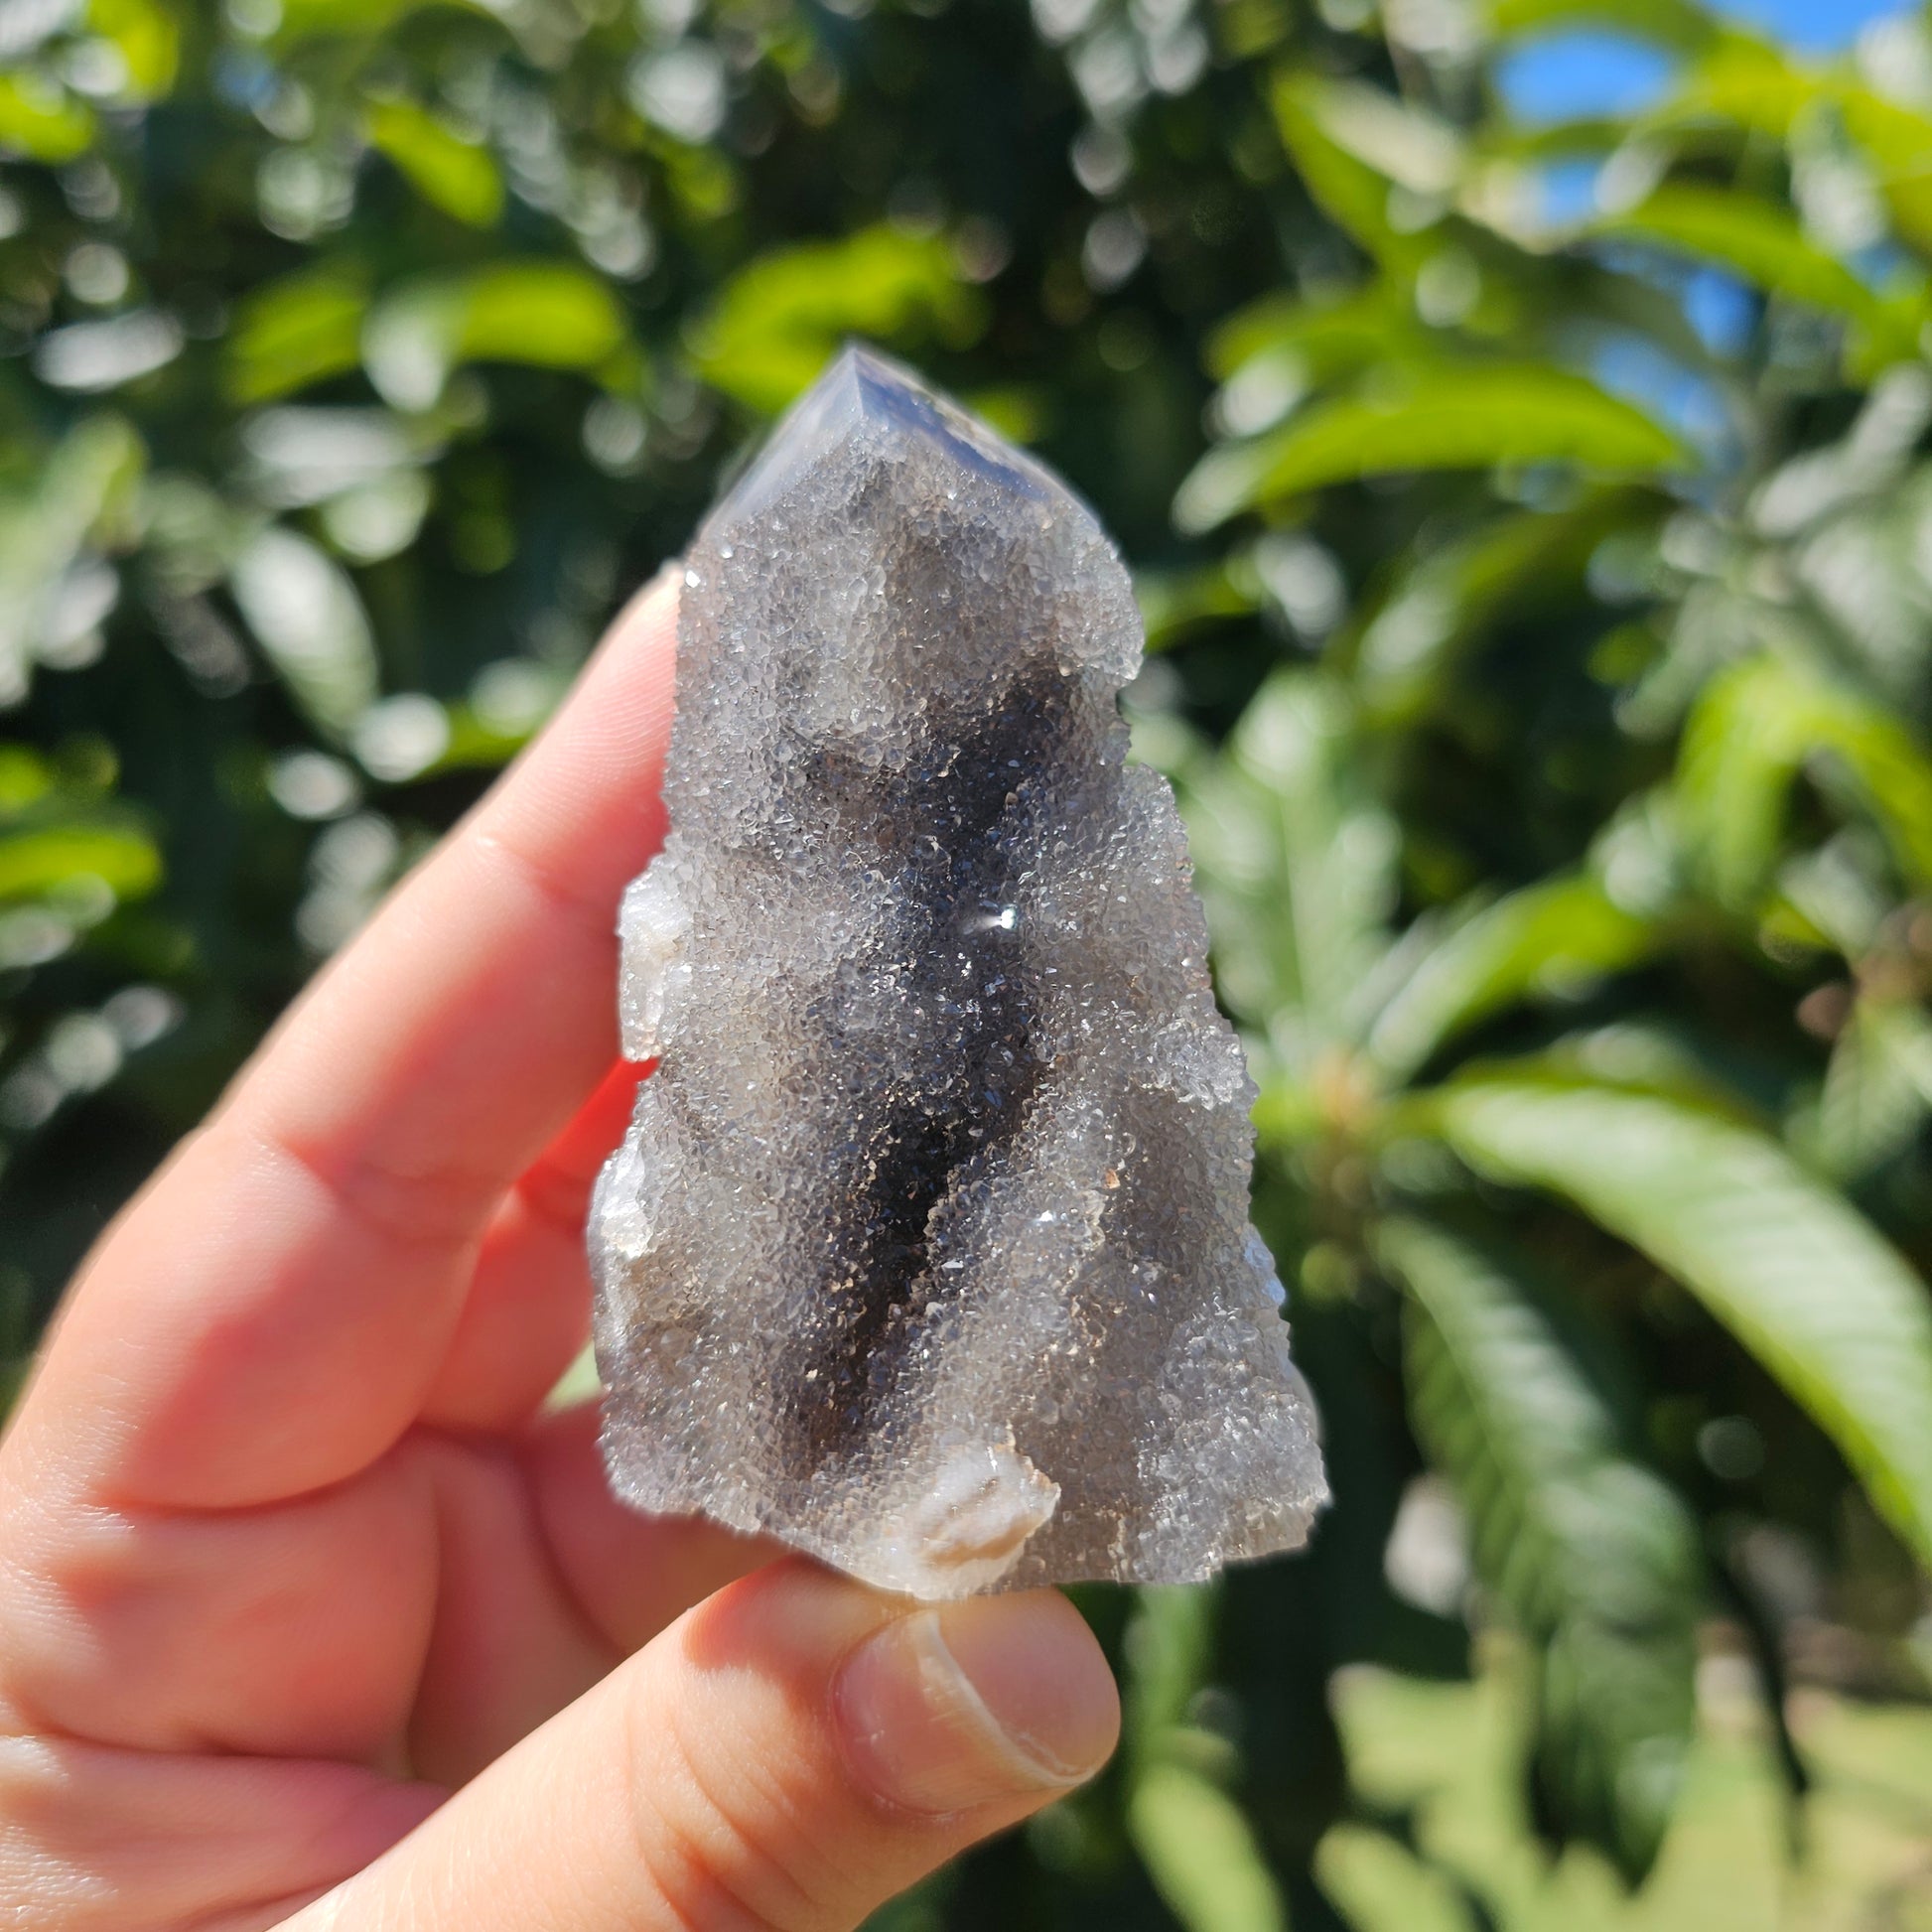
928, 1248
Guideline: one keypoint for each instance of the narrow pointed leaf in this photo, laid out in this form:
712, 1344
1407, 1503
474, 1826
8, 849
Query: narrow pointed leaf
38, 859
1878, 1088
1201, 1854
1789, 1266
1760, 244
1449, 418
1754, 728
1670, 22
1591, 1555
302, 329
1405, 650
777, 322
452, 174
1352, 193
1553, 939
1329, 338
1296, 863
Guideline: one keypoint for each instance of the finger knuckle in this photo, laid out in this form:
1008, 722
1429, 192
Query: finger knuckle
727, 1843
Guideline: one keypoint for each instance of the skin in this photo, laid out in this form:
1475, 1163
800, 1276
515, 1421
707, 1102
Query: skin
311, 1613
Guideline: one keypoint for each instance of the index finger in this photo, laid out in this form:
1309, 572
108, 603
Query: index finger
267, 1315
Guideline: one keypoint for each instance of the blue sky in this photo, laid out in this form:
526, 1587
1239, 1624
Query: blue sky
1584, 73
1572, 76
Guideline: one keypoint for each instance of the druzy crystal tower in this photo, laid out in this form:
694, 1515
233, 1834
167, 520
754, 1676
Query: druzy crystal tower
928, 1248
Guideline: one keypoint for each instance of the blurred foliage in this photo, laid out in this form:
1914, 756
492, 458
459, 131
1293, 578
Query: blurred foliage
1535, 532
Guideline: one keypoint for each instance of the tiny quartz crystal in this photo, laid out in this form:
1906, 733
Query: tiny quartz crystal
927, 1250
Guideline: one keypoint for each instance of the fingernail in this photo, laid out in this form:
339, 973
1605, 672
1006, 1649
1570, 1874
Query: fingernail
997, 1696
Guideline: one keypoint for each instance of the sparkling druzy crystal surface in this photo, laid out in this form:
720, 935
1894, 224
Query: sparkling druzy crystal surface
928, 1248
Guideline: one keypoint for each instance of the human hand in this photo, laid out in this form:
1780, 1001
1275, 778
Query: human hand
306, 1607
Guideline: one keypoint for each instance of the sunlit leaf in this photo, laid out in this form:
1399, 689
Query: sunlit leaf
1754, 728
778, 320
40, 859
455, 175
1753, 84
305, 615
1878, 1090
1190, 1833
50, 530
1296, 860
1201, 1854
41, 120
1767, 249
1590, 1553
1439, 601
1400, 140
303, 19
1897, 139
296, 331
550, 315
145, 34
1670, 22
1350, 192
1553, 939
1380, 1881
1787, 1265
1446, 418
25, 779
1744, 81
1326, 338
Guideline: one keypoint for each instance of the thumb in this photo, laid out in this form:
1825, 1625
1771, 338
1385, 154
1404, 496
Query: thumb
784, 1758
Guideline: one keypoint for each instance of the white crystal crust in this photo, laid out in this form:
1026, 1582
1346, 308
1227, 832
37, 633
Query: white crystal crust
927, 1250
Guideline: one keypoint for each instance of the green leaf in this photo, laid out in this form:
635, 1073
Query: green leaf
1440, 599
1877, 1087
1590, 1554
1555, 940
78, 501
1172, 603
1380, 1880
1752, 83
1447, 418
1402, 141
1670, 22
452, 173
26, 777
301, 330
1192, 1837
38, 859
1786, 1264
1753, 729
148, 40
42, 121
1898, 142
1201, 1854
1744, 81
304, 613
356, 19
1352, 193
1296, 864
1327, 339
1762, 243
777, 322
1170, 1644
547, 315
